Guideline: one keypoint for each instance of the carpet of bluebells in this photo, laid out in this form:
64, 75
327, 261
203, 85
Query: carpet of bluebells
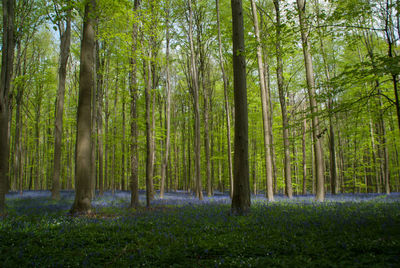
348, 230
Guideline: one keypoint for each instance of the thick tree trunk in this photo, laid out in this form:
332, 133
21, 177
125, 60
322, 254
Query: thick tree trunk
282, 99
6, 74
241, 190
265, 108
65, 41
319, 165
226, 103
83, 189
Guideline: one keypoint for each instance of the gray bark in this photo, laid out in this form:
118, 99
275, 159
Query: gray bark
65, 41
282, 99
265, 108
168, 111
226, 103
82, 202
318, 156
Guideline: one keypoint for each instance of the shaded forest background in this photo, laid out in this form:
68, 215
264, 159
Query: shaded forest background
183, 92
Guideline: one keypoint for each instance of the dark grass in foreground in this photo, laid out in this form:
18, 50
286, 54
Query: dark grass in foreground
180, 231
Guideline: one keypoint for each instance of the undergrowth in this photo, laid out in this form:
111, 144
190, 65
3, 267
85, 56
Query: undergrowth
180, 231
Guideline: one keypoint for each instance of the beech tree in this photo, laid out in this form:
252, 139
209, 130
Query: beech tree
83, 176
7, 60
241, 186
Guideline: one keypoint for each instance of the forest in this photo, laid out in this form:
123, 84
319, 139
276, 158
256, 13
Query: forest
167, 110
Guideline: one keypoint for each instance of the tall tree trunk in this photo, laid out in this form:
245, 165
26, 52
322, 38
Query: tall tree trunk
7, 60
65, 41
133, 89
114, 135
123, 143
332, 147
282, 99
241, 190
195, 91
206, 115
82, 202
304, 160
100, 96
319, 165
265, 108
168, 111
226, 103
149, 158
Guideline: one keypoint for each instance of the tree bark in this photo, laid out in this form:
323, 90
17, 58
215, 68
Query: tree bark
133, 89
7, 60
195, 91
318, 156
149, 158
226, 103
241, 190
265, 108
82, 202
282, 99
168, 110
65, 41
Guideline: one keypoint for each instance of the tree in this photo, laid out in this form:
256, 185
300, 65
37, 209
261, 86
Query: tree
195, 93
241, 189
265, 108
226, 102
134, 181
83, 176
168, 106
318, 156
282, 100
65, 41
6, 74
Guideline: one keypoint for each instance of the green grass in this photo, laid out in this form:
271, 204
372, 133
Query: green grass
280, 234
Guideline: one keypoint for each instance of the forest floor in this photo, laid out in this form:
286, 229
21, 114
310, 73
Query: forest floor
360, 230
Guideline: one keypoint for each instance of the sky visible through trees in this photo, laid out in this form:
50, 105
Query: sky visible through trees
156, 96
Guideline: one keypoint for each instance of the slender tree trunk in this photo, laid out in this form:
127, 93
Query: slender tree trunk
149, 159
265, 108
123, 144
134, 181
114, 134
226, 103
195, 91
82, 202
206, 115
241, 190
100, 95
65, 41
319, 166
332, 147
168, 111
282, 99
304, 160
